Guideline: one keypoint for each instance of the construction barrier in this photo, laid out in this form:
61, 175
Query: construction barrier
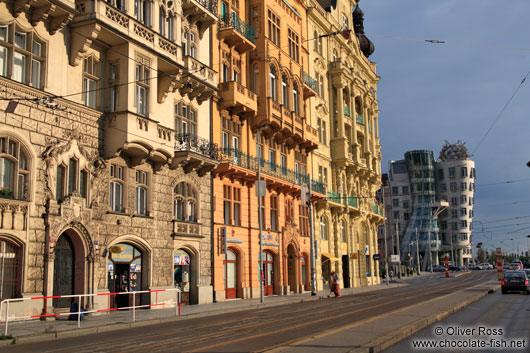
81, 311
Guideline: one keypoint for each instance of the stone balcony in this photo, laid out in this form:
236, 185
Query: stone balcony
187, 229
239, 99
200, 81
114, 26
310, 85
202, 13
55, 14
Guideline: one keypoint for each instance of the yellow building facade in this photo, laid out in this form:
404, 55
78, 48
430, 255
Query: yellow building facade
347, 160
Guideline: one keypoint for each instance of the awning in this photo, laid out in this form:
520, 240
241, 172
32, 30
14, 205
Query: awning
329, 256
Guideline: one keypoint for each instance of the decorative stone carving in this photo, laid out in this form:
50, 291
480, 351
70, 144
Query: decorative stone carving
81, 39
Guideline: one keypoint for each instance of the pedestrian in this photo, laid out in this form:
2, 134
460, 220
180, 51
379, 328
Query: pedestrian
334, 287
391, 275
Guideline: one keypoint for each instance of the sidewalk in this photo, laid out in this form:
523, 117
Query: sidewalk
26, 331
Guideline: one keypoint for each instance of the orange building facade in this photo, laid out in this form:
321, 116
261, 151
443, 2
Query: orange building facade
262, 63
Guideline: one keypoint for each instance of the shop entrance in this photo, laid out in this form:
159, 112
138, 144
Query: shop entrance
230, 274
182, 273
291, 268
268, 273
346, 271
125, 275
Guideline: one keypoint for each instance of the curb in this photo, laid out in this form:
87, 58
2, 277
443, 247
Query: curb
380, 344
7, 342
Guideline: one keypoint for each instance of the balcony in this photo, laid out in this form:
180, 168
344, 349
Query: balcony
239, 99
54, 14
200, 82
201, 13
333, 196
352, 201
341, 75
118, 28
236, 33
195, 153
276, 175
310, 85
188, 229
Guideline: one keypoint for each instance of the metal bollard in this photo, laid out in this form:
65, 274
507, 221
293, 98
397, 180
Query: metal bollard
7, 317
79, 313
134, 307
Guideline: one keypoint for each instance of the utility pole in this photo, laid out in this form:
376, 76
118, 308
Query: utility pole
258, 193
398, 251
312, 240
418, 265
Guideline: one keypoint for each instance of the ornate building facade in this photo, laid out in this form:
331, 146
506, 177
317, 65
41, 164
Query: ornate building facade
348, 157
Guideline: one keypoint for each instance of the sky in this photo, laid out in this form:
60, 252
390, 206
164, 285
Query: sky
432, 92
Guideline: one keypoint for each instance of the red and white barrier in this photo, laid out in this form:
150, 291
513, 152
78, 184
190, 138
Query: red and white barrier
5, 302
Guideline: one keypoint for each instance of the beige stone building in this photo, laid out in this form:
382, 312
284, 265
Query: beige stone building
348, 157
105, 152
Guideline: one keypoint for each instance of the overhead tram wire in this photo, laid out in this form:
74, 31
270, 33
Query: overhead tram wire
503, 182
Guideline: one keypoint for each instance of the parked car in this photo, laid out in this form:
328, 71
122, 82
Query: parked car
437, 268
474, 267
487, 266
455, 268
515, 281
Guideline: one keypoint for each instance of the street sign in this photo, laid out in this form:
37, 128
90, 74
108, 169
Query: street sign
115, 249
376, 257
305, 197
262, 189
394, 259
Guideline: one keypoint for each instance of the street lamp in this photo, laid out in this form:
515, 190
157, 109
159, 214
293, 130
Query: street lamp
258, 193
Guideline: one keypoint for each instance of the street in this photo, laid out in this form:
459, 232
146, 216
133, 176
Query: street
497, 312
262, 329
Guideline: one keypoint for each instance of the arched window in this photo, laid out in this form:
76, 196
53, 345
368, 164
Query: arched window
272, 83
285, 94
10, 269
296, 103
14, 170
323, 228
185, 203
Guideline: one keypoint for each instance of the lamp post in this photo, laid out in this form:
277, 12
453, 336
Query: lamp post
418, 265
386, 251
258, 193
398, 251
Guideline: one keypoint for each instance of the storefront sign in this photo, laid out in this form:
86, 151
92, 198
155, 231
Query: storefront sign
116, 249
181, 257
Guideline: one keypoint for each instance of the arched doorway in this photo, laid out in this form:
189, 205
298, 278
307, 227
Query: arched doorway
182, 267
125, 272
268, 273
63, 271
230, 274
292, 268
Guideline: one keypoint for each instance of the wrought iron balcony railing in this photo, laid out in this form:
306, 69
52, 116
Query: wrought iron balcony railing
310, 81
210, 5
233, 20
352, 201
250, 162
193, 143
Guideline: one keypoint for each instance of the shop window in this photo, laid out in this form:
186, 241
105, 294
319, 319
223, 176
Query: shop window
185, 202
125, 274
182, 268
22, 56
10, 269
14, 170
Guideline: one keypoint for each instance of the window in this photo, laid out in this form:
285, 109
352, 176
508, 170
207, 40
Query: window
395, 190
463, 172
119, 4
22, 56
463, 199
237, 205
189, 43
113, 83
230, 137
463, 211
440, 174
289, 211
142, 11
117, 182
263, 211
300, 166
406, 204
272, 83
166, 24
272, 154
323, 228
443, 187
185, 203
321, 89
273, 23
141, 193
142, 86
463, 225
227, 204
294, 51
90, 81
405, 190
345, 24
71, 180
396, 214
296, 103
324, 133
454, 225
452, 186
395, 202
285, 95
454, 213
255, 80
406, 216
185, 120
14, 170
452, 172
443, 224
10, 268
454, 201
232, 205
463, 186
274, 213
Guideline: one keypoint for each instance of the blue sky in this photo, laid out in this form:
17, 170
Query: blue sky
430, 93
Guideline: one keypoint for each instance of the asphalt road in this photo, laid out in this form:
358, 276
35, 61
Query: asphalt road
495, 319
258, 329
